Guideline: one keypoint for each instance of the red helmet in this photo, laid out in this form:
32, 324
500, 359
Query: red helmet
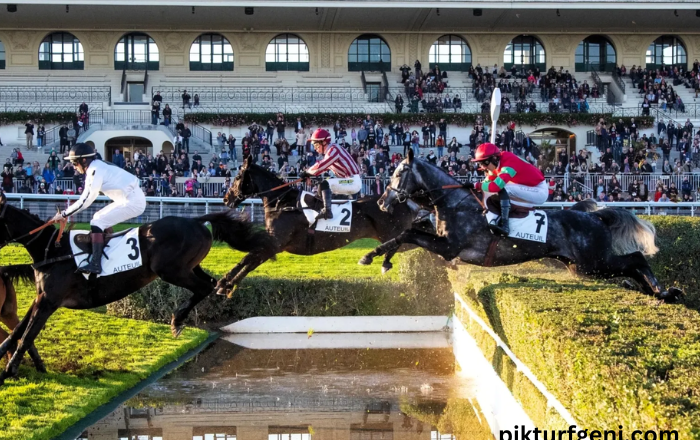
485, 151
320, 135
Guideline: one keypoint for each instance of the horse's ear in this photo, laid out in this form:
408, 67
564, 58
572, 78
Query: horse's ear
249, 160
410, 155
3, 199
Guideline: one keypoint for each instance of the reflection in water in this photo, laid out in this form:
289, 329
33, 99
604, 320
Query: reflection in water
231, 393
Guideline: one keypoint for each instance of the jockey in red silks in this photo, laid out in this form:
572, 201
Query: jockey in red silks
336, 159
511, 178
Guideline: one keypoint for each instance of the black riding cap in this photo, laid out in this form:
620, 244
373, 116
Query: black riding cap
79, 151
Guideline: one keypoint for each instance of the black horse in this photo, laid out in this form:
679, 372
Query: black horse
290, 228
607, 243
172, 248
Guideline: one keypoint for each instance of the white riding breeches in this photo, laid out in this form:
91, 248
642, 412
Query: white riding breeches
132, 205
527, 196
346, 185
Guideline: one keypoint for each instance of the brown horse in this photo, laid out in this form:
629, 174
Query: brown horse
8, 304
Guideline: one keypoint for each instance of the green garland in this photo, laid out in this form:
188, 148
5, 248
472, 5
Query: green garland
21, 117
459, 119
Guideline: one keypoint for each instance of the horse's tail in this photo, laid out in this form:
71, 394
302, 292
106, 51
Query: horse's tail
629, 233
23, 272
235, 230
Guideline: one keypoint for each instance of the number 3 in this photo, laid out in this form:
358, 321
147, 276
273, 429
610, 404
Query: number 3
132, 241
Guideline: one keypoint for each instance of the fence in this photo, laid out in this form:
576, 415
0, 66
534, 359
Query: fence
278, 94
9, 94
158, 207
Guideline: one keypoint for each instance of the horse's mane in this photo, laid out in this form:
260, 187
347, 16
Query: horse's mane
26, 212
265, 172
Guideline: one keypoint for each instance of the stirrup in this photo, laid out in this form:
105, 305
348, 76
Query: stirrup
91, 268
496, 229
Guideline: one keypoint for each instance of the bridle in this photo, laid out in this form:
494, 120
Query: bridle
35, 231
403, 195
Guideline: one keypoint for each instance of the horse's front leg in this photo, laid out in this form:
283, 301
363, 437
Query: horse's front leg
446, 248
249, 263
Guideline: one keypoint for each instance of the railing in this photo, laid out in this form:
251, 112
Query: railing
267, 95
39, 107
620, 83
610, 96
202, 134
123, 81
158, 207
352, 107
60, 94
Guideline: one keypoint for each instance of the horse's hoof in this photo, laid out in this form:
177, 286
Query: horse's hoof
365, 261
40, 367
177, 330
627, 284
386, 268
671, 295
221, 291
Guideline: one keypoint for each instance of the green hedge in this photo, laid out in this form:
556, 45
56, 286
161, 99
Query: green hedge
10, 118
611, 356
678, 261
459, 119
422, 289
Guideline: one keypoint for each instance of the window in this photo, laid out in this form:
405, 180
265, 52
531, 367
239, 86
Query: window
287, 52
288, 433
450, 52
61, 51
436, 435
140, 434
369, 52
524, 52
136, 52
2, 55
211, 52
595, 52
666, 50
214, 433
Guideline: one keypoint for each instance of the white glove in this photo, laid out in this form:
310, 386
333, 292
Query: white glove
58, 218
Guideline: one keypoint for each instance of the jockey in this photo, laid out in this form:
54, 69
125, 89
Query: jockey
117, 184
509, 176
347, 174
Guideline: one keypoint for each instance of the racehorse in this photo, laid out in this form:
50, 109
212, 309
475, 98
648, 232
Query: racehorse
9, 275
171, 248
607, 243
289, 227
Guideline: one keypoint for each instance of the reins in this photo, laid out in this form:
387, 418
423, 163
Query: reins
62, 228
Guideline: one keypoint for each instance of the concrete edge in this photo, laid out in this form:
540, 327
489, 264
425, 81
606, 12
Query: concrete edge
552, 401
338, 324
74, 431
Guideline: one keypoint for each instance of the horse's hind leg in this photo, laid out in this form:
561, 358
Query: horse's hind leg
248, 264
197, 282
39, 314
9, 345
3, 336
12, 322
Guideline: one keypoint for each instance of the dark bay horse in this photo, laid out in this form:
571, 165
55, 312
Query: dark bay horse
9, 275
171, 248
290, 229
607, 243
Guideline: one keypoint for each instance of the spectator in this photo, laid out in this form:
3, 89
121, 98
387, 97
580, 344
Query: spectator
186, 99
167, 115
29, 134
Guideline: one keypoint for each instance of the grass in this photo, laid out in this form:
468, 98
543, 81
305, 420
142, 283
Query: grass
91, 358
611, 356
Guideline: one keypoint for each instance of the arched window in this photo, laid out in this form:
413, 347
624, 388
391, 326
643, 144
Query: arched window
525, 53
136, 51
666, 50
61, 51
595, 52
450, 52
369, 52
287, 52
211, 52
2, 55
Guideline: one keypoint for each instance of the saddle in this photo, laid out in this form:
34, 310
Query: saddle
84, 241
493, 204
311, 201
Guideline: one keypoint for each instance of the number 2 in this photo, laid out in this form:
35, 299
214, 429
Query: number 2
345, 220
132, 241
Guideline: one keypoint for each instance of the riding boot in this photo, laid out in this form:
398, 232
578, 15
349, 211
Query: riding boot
503, 226
326, 212
95, 263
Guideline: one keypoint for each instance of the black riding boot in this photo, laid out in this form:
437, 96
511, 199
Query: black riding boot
95, 263
326, 212
503, 225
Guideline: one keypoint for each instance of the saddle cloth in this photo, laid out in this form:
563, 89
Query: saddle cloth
122, 251
533, 227
342, 214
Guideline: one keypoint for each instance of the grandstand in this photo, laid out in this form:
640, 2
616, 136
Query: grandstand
332, 57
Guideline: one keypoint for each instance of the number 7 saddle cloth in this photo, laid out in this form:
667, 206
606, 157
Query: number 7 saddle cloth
525, 223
